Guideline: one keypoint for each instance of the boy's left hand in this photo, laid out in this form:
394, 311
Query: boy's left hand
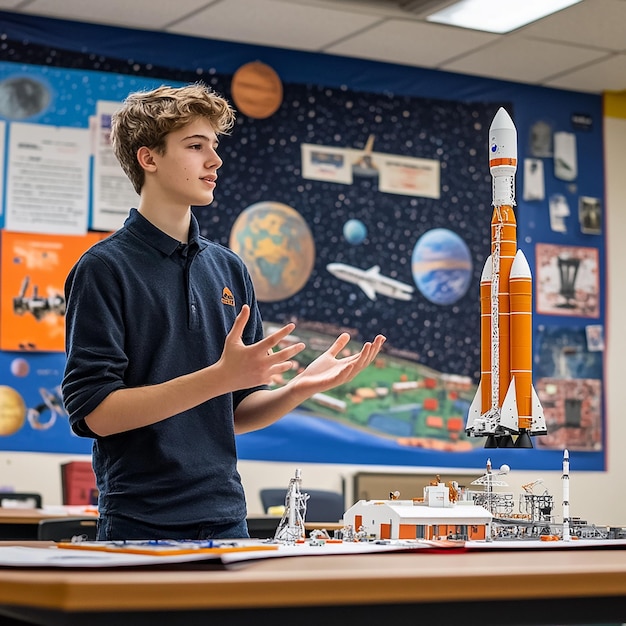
327, 371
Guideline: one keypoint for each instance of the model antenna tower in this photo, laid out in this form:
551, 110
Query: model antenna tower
291, 525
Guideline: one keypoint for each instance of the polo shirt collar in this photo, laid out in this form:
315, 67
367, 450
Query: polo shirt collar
156, 238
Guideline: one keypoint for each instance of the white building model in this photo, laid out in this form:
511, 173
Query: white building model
435, 516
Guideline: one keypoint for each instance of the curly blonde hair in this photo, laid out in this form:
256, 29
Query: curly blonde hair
147, 117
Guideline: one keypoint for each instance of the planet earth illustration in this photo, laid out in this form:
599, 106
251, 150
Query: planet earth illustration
277, 246
12, 411
354, 232
441, 264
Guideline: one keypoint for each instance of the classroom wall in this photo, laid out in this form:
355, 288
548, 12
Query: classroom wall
593, 495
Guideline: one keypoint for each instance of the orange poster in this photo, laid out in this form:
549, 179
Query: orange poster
33, 272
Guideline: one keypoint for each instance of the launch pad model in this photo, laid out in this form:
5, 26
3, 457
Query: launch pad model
451, 515
506, 402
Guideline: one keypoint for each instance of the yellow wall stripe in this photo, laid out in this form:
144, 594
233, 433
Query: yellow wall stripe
615, 104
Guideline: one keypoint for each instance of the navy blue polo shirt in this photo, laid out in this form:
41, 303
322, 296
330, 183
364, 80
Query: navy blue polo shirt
143, 309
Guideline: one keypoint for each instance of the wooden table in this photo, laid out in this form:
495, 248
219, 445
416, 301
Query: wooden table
18, 524
495, 587
21, 524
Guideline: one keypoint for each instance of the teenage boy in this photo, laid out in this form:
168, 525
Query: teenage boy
166, 359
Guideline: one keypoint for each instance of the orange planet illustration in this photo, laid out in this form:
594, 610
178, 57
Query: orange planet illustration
12, 411
257, 90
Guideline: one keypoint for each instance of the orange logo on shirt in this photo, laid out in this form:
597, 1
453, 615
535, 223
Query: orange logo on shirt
227, 297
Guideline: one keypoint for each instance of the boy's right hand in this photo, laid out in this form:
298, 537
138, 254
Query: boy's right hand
255, 364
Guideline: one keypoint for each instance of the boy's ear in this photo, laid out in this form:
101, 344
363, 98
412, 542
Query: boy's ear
146, 159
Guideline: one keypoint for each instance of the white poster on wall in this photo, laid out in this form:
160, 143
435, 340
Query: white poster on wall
47, 179
408, 176
113, 194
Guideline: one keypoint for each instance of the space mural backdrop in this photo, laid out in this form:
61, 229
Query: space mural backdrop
364, 211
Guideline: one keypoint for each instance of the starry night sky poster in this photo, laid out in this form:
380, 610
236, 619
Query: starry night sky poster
262, 163
410, 407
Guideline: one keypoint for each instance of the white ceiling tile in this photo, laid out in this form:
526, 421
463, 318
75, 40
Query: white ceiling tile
273, 23
606, 75
567, 49
146, 14
411, 42
593, 23
523, 60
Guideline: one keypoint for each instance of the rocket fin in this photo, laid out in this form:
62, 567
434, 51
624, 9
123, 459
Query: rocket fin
509, 414
374, 270
474, 410
538, 425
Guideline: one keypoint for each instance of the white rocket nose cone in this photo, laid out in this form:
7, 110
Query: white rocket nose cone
502, 156
501, 121
520, 267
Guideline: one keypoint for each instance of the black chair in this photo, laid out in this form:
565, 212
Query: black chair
322, 506
20, 500
66, 528
262, 527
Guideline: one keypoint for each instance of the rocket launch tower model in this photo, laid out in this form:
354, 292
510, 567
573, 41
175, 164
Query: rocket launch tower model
291, 525
506, 402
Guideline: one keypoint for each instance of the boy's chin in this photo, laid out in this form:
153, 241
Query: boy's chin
204, 201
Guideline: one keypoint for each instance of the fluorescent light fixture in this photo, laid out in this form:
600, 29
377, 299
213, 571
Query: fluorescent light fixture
497, 16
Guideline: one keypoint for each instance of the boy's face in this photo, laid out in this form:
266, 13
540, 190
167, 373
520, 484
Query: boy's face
186, 173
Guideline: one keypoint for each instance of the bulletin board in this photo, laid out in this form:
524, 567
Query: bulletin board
371, 184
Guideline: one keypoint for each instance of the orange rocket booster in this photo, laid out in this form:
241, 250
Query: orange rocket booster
506, 401
520, 298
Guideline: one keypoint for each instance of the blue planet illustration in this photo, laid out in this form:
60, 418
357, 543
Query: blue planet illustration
354, 231
441, 264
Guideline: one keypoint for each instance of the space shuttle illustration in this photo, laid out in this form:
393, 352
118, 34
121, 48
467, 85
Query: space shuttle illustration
371, 281
506, 403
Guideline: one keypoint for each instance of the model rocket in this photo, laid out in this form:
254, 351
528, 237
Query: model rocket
565, 479
506, 403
